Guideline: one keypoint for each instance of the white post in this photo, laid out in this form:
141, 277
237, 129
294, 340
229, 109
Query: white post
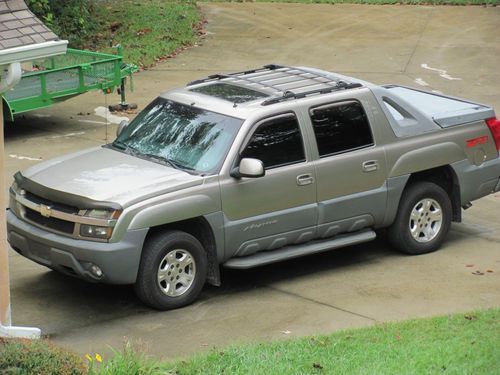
4, 256
6, 328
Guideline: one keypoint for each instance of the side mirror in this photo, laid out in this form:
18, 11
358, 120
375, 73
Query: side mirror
249, 167
122, 125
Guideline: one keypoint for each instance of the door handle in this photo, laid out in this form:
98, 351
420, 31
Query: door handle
370, 166
305, 179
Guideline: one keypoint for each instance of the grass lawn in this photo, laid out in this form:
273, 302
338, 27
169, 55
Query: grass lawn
148, 29
456, 344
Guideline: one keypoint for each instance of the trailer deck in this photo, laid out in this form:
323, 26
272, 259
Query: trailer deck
62, 77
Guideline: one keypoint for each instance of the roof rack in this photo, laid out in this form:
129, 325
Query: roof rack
293, 76
289, 95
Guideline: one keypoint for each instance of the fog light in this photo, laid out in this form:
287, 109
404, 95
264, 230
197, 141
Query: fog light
95, 231
96, 271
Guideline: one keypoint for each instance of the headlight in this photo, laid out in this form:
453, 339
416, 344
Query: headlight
103, 229
102, 214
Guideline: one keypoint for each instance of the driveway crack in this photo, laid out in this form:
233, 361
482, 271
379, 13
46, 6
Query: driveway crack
320, 303
418, 40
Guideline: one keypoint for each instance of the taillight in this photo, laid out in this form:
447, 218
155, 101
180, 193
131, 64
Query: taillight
494, 125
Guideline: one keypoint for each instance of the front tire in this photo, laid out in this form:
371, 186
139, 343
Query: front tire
423, 219
172, 271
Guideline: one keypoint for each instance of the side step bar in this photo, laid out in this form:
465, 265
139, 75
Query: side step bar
289, 252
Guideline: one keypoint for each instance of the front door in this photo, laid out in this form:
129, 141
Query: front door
279, 208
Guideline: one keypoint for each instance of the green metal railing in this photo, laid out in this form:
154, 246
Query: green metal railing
61, 77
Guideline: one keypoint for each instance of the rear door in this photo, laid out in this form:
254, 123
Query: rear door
350, 171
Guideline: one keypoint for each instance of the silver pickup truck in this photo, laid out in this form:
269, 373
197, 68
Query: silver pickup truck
251, 168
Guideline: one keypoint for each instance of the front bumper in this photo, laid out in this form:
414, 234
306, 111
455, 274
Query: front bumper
118, 261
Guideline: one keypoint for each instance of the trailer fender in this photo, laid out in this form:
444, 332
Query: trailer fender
7, 110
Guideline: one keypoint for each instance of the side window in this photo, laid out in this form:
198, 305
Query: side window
341, 127
276, 142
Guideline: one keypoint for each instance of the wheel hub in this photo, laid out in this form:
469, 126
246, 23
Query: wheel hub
176, 272
426, 220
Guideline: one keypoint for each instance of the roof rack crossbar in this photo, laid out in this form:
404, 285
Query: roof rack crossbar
215, 77
316, 75
288, 95
252, 82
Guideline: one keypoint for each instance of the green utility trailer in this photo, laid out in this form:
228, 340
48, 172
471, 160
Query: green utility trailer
55, 79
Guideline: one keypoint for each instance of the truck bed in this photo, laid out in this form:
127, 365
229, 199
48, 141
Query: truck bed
444, 110
412, 112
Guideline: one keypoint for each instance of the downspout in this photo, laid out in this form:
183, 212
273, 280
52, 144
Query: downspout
9, 77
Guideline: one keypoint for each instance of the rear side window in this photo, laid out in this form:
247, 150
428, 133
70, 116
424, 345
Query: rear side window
340, 127
276, 142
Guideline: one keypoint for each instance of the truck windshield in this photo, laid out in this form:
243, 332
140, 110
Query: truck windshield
181, 136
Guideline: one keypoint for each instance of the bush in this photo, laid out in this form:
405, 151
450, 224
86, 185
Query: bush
73, 20
26, 357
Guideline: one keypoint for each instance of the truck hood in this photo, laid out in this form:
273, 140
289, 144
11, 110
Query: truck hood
103, 174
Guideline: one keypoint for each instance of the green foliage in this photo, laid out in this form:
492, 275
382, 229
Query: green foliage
127, 362
73, 20
40, 7
147, 30
25, 357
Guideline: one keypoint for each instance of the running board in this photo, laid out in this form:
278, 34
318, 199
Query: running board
290, 252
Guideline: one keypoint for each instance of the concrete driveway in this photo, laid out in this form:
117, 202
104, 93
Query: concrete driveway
455, 50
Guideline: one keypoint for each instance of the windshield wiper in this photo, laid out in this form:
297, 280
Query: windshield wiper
163, 160
119, 145
124, 147
167, 161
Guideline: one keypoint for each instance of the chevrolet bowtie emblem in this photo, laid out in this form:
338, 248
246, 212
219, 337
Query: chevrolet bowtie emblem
45, 210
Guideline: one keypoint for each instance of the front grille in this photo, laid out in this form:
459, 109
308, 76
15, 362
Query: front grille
56, 206
50, 222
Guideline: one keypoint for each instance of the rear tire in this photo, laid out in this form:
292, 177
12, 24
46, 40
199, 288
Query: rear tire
172, 271
423, 219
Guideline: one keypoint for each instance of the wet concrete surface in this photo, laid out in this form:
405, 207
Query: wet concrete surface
450, 49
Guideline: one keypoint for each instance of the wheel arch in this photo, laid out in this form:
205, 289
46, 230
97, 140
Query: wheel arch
200, 228
443, 176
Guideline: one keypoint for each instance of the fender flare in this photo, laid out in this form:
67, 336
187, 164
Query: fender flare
427, 157
173, 211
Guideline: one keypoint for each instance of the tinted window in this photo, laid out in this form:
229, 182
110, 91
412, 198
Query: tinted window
276, 142
340, 128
